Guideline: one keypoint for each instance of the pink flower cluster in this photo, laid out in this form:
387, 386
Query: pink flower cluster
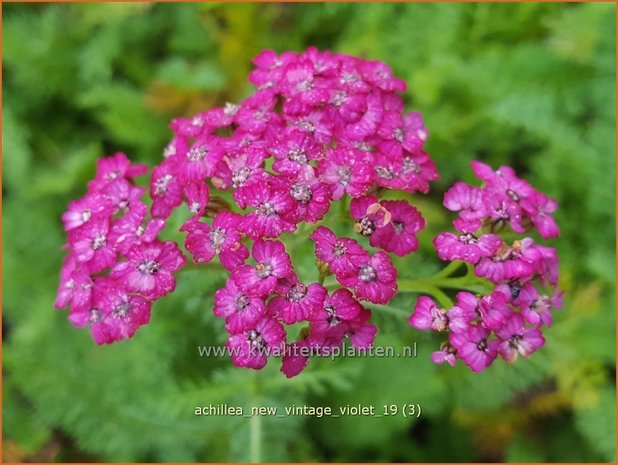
503, 199
319, 128
115, 267
508, 321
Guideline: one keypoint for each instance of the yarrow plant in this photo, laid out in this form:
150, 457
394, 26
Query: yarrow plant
321, 129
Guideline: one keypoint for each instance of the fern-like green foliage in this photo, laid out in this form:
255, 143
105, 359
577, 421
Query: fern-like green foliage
530, 85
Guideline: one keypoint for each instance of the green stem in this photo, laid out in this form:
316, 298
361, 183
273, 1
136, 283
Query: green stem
399, 312
435, 284
255, 451
343, 207
255, 424
464, 282
449, 269
443, 299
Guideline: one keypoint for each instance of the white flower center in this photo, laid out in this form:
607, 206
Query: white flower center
98, 242
162, 183
217, 238
297, 293
345, 174
264, 270
148, 267
301, 193
197, 154
266, 209
367, 274
239, 178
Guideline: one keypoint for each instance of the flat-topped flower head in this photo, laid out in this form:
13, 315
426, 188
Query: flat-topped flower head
271, 264
481, 327
321, 127
240, 310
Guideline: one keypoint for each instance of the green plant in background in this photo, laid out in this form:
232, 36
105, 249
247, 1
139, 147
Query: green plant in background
529, 85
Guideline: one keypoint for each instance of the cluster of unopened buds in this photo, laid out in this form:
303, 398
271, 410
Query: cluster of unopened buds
321, 128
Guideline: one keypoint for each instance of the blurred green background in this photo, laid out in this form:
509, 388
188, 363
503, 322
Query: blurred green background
531, 85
